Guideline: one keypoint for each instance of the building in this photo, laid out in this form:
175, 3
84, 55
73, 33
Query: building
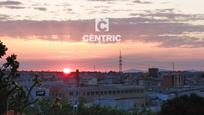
95, 88
121, 96
173, 80
153, 72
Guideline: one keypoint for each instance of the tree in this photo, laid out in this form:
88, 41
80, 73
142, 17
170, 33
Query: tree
3, 49
21, 99
7, 85
13, 95
184, 105
54, 107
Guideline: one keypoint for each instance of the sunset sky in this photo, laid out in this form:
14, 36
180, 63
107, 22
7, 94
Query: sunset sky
46, 34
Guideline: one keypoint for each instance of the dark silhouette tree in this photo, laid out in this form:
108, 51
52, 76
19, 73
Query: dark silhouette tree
13, 95
3, 49
21, 99
184, 105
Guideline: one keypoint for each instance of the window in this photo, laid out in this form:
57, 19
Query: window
101, 92
114, 92
109, 92
92, 93
105, 92
97, 92
71, 93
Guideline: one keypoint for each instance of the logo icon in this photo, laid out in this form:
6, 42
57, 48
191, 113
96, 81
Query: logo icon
102, 25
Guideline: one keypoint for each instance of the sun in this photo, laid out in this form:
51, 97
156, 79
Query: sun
67, 70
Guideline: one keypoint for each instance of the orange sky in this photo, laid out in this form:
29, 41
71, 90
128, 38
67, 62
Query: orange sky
55, 55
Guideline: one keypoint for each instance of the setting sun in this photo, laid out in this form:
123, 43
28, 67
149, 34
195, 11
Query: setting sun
67, 70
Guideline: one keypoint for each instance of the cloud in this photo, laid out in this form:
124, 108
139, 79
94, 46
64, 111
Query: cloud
142, 2
15, 7
41, 8
101, 0
3, 3
4, 17
168, 15
11, 4
163, 26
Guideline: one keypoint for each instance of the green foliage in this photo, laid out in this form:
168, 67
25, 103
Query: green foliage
51, 107
13, 96
30, 111
60, 107
3, 49
98, 110
8, 86
143, 112
184, 105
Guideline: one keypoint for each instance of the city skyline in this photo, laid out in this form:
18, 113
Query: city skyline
46, 35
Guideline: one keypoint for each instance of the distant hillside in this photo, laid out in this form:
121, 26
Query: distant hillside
133, 71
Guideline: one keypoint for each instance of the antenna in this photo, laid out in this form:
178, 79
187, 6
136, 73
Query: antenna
120, 62
173, 66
